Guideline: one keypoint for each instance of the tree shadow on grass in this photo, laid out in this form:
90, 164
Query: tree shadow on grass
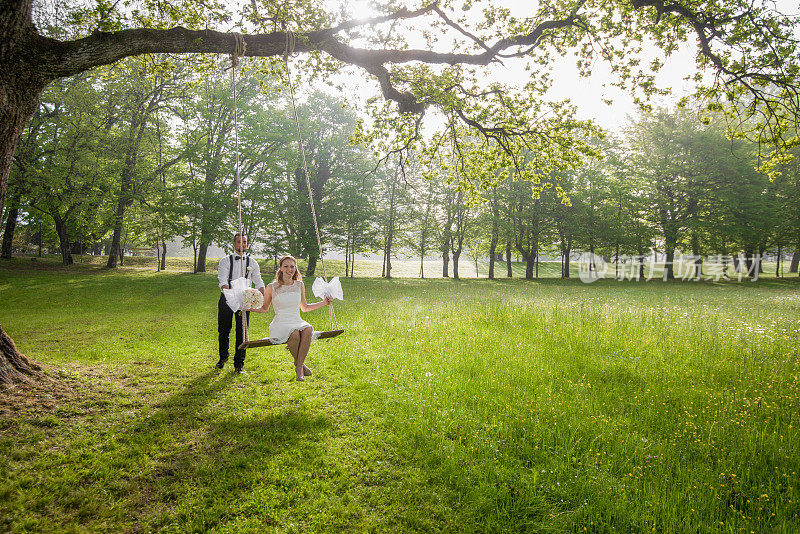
188, 460
216, 455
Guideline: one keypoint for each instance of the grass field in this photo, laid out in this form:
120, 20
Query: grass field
447, 406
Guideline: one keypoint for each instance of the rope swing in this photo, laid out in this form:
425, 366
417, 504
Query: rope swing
290, 42
239, 50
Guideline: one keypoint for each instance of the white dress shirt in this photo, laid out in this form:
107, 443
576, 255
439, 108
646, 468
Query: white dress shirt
225, 264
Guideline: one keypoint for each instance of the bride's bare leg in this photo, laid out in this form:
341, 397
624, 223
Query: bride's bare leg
293, 344
302, 352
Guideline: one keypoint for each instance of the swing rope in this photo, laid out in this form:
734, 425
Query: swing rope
239, 48
290, 43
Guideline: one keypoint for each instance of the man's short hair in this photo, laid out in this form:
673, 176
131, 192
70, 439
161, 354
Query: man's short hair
238, 235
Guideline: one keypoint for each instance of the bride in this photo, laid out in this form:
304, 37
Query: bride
287, 294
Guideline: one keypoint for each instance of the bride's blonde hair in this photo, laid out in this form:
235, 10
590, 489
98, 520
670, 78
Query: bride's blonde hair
279, 273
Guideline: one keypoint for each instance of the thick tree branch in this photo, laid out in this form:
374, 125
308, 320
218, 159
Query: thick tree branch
53, 59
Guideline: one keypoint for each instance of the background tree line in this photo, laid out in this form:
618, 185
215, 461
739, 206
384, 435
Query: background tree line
142, 154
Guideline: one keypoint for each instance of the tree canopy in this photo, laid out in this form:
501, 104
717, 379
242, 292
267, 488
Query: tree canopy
427, 55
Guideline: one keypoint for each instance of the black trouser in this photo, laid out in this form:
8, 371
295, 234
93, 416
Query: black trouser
224, 317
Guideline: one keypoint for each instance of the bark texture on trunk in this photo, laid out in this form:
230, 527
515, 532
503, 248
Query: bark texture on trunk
15, 367
21, 86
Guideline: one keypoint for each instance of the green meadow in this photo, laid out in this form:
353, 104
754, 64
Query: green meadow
447, 406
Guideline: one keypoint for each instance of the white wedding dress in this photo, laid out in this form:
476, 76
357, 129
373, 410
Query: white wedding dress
286, 304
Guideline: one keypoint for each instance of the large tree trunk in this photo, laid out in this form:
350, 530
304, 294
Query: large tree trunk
18, 101
14, 366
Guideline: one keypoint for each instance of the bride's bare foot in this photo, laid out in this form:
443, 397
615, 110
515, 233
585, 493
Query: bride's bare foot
306, 371
298, 371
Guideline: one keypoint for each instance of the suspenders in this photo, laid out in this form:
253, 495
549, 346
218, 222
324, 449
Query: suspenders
230, 270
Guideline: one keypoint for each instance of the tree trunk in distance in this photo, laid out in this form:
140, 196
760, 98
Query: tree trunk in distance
63, 238
113, 253
347, 256
669, 258
794, 263
8, 233
200, 264
312, 265
495, 234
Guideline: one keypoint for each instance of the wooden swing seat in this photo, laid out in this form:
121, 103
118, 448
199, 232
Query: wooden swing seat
266, 341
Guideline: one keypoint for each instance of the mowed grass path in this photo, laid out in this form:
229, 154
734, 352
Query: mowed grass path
485, 406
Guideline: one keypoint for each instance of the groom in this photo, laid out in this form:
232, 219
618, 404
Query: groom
230, 268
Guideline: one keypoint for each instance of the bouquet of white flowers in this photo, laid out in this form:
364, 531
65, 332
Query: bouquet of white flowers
253, 299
